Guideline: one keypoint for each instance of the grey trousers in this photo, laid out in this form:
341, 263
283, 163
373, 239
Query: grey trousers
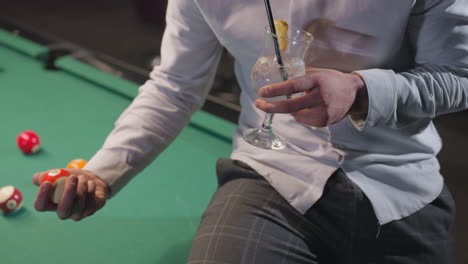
247, 221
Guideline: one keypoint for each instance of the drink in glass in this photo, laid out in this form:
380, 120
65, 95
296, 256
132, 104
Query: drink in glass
268, 69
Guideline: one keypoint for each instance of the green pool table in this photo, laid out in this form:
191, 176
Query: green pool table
73, 108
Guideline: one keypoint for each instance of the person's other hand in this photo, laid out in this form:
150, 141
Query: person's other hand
328, 96
83, 195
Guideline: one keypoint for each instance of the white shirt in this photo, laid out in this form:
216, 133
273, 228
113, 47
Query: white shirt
412, 55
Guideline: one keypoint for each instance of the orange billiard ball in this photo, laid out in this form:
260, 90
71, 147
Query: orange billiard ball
76, 164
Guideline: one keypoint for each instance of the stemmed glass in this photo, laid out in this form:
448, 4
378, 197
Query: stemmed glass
268, 70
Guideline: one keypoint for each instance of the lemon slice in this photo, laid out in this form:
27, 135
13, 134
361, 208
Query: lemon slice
281, 28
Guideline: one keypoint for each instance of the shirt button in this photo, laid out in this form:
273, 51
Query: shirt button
340, 158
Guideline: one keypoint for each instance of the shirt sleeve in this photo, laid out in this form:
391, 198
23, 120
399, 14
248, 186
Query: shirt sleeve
190, 53
438, 84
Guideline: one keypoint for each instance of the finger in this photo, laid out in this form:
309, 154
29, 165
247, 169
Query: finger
65, 205
41, 203
101, 196
80, 198
37, 177
90, 200
316, 117
308, 100
289, 87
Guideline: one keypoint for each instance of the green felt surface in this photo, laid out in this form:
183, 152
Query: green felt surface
152, 220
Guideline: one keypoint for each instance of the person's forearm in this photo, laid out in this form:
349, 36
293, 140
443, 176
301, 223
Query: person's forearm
142, 132
398, 99
190, 54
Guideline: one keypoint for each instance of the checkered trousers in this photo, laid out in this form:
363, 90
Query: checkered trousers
248, 222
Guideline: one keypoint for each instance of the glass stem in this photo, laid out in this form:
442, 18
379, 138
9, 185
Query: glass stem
268, 122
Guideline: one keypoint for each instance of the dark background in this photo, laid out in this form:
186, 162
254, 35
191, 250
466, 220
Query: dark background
131, 31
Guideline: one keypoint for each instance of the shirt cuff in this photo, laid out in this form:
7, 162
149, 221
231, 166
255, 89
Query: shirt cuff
358, 120
111, 169
382, 98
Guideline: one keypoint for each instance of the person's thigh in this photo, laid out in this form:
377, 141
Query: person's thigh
247, 221
423, 237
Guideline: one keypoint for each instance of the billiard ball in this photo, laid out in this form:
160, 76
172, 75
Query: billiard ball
28, 142
57, 178
10, 199
76, 164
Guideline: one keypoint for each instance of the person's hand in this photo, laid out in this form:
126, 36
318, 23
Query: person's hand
83, 195
328, 96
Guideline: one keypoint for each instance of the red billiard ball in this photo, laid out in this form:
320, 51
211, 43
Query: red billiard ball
28, 141
57, 177
10, 199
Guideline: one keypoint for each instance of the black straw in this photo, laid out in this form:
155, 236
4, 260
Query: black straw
273, 30
271, 21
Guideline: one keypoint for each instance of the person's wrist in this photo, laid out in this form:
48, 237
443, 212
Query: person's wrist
101, 182
361, 101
